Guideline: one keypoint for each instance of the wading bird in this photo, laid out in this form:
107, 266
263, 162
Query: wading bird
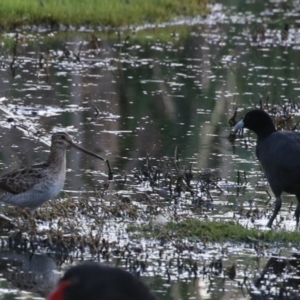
32, 186
279, 154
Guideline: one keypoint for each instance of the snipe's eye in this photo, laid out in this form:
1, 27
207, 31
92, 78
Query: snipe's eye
63, 137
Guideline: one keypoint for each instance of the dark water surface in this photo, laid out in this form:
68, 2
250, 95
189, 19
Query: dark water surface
126, 98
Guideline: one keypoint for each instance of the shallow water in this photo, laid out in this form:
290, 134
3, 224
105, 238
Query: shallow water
124, 98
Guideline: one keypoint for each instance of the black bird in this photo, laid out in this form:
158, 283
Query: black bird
279, 154
93, 281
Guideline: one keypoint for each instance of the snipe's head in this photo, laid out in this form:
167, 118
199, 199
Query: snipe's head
61, 140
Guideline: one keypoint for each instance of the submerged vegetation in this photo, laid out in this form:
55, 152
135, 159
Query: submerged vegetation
95, 13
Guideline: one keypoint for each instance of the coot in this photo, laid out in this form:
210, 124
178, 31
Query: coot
279, 154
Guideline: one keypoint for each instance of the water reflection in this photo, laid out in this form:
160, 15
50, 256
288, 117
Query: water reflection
280, 278
34, 273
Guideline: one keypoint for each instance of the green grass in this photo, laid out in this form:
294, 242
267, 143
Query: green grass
213, 231
95, 12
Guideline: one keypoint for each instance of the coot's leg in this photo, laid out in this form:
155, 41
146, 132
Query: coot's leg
297, 212
276, 210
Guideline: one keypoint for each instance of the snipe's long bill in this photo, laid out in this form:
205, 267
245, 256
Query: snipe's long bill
32, 186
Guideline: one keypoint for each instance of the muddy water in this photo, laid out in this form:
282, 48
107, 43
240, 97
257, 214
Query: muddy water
136, 94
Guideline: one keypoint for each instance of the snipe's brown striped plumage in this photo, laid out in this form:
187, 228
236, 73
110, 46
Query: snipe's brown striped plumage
32, 186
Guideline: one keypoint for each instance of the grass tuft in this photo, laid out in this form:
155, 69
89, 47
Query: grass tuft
95, 12
214, 231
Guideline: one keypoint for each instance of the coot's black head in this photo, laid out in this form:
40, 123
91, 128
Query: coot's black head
258, 121
94, 281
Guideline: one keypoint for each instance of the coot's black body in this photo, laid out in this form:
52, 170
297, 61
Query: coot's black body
279, 154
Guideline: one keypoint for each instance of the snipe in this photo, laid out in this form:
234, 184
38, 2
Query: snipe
32, 186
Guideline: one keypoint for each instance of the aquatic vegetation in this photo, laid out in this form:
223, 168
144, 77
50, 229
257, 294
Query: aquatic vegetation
95, 13
214, 231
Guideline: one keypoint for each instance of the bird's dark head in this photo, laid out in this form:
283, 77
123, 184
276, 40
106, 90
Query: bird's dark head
79, 282
258, 121
94, 281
